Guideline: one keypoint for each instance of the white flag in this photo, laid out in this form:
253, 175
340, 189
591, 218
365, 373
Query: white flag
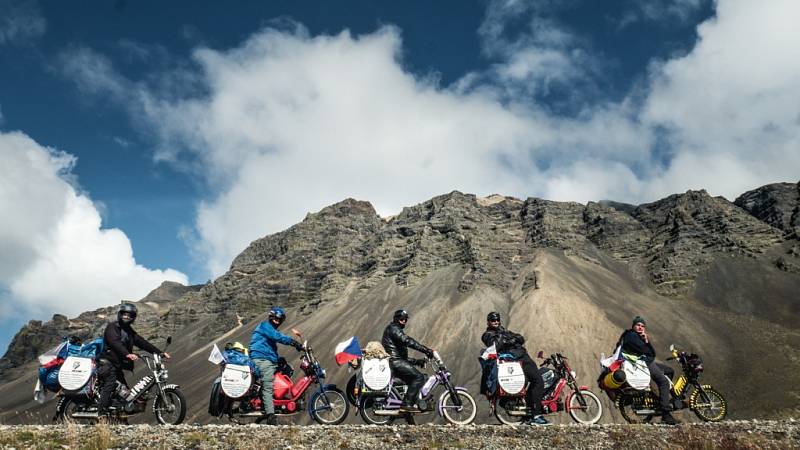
216, 355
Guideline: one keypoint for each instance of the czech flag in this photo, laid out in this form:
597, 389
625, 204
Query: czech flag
347, 351
490, 353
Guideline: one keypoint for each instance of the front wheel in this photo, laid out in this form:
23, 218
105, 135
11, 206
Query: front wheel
329, 406
367, 407
584, 407
708, 404
171, 408
458, 415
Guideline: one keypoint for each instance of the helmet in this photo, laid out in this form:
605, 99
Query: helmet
492, 316
278, 314
129, 308
400, 314
236, 346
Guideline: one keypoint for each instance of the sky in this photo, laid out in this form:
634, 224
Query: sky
150, 141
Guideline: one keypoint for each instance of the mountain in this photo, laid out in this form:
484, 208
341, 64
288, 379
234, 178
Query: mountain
711, 276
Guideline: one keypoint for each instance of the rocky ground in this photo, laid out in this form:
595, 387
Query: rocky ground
726, 435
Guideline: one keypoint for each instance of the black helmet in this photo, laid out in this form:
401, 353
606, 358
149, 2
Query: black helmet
129, 308
494, 315
277, 313
400, 314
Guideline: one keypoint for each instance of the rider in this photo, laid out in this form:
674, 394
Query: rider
635, 341
264, 352
118, 341
506, 341
396, 343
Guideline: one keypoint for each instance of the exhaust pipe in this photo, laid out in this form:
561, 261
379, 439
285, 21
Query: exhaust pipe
84, 415
645, 412
387, 412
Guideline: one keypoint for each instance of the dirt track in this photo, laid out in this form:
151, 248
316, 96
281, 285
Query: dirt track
726, 435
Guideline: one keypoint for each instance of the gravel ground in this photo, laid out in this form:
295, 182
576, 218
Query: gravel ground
725, 435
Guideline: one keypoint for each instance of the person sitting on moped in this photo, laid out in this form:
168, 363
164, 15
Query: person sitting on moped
264, 353
636, 342
506, 341
396, 343
118, 341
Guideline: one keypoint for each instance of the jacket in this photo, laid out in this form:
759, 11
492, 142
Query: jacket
633, 344
118, 342
263, 342
505, 341
396, 342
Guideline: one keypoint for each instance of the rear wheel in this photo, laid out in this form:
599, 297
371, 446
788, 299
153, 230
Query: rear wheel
329, 407
367, 407
584, 407
626, 409
68, 408
171, 408
459, 415
708, 404
507, 405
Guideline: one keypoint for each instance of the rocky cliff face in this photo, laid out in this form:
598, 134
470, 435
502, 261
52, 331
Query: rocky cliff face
583, 269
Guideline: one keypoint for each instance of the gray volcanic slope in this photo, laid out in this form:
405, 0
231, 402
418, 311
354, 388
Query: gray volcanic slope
709, 276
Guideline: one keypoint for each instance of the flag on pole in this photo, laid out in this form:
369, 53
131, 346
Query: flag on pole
490, 353
348, 351
51, 354
216, 355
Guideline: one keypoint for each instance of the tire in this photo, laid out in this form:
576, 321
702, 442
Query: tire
455, 415
708, 404
589, 414
624, 405
503, 416
67, 408
367, 406
331, 408
164, 416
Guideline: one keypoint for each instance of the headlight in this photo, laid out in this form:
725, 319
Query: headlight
573, 373
322, 373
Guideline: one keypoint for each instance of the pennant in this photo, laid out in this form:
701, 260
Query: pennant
216, 356
51, 354
490, 353
347, 351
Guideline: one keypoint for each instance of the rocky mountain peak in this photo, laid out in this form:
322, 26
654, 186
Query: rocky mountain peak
777, 204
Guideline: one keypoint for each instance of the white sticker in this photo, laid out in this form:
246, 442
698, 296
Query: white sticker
236, 380
376, 373
511, 377
74, 373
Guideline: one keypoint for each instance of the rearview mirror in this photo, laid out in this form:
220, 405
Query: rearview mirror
540, 355
169, 340
672, 347
297, 332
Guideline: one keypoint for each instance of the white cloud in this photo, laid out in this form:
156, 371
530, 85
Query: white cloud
54, 254
20, 21
288, 123
663, 11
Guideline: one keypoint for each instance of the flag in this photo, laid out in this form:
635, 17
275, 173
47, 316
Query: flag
347, 351
489, 353
216, 355
51, 354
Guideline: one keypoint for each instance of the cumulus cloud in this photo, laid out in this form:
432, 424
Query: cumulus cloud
20, 21
54, 254
665, 11
287, 123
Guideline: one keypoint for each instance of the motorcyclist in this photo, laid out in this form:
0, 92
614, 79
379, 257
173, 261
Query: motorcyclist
396, 343
635, 341
264, 353
119, 339
506, 341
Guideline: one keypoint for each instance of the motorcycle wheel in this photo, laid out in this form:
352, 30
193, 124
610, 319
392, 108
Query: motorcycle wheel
329, 409
588, 414
173, 415
708, 404
625, 406
503, 416
455, 415
367, 407
69, 407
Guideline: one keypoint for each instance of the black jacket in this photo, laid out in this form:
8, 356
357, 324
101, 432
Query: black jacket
633, 344
505, 341
119, 342
396, 342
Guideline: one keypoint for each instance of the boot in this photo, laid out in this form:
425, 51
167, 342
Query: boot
409, 408
666, 418
270, 419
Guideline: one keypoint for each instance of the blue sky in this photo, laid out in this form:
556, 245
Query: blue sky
147, 141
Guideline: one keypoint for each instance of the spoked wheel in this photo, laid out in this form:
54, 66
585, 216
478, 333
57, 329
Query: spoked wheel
329, 407
585, 407
459, 415
708, 404
171, 408
625, 406
503, 407
68, 409
367, 407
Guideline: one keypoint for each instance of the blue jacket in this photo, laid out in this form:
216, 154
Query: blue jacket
263, 342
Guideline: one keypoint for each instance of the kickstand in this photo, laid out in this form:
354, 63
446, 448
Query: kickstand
410, 419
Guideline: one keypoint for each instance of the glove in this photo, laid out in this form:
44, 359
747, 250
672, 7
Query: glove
297, 346
429, 353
